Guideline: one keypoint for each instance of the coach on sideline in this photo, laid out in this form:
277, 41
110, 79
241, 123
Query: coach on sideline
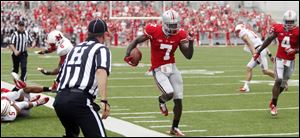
83, 74
19, 41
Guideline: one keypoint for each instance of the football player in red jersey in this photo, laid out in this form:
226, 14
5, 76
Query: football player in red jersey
288, 45
165, 39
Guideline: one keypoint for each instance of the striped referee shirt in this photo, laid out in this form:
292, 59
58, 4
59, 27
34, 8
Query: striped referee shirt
20, 40
81, 64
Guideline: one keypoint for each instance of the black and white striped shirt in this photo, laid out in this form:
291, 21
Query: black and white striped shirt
81, 64
21, 40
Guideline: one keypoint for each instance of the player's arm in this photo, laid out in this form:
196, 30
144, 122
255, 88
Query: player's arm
101, 75
266, 43
249, 43
187, 47
12, 47
134, 43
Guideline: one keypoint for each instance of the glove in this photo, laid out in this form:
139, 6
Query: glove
45, 72
290, 51
54, 86
128, 60
255, 56
191, 36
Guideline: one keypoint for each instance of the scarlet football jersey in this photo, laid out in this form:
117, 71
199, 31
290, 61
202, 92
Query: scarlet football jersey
163, 47
286, 39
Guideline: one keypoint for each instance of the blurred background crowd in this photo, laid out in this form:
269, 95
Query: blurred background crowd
211, 22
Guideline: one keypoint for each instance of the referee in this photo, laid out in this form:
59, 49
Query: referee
19, 41
83, 76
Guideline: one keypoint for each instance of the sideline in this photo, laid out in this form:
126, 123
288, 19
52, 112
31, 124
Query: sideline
119, 126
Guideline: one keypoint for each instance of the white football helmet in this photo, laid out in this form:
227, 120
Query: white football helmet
290, 19
238, 28
171, 22
55, 38
5, 107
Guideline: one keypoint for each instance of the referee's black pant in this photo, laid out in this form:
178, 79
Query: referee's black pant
20, 59
77, 110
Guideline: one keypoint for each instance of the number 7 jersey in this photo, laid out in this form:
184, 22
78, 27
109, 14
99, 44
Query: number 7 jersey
285, 39
163, 47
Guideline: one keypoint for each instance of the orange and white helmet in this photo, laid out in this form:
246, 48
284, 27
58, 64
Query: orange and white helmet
5, 106
289, 19
171, 22
55, 38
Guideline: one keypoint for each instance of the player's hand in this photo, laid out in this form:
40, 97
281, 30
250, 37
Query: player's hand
255, 56
191, 36
128, 60
272, 59
45, 72
16, 53
105, 109
290, 51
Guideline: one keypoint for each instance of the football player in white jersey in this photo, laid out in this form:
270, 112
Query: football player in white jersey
61, 45
11, 108
253, 42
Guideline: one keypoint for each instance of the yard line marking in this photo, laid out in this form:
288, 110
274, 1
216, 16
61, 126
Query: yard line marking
136, 117
205, 95
256, 135
152, 121
167, 126
207, 111
192, 131
113, 124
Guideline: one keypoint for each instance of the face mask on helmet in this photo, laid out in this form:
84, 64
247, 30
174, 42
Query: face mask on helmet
289, 24
171, 29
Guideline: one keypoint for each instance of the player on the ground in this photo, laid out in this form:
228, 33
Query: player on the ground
253, 42
287, 35
61, 45
165, 39
10, 108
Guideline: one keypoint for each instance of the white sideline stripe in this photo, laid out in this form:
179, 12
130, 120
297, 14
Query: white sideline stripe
192, 131
136, 117
256, 135
119, 126
193, 96
207, 111
121, 109
166, 126
152, 121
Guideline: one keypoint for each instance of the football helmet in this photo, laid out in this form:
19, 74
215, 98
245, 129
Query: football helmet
290, 19
5, 106
171, 22
55, 38
238, 28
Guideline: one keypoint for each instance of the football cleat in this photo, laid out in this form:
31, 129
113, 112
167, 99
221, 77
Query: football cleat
19, 83
175, 131
42, 101
163, 109
273, 109
35, 98
242, 89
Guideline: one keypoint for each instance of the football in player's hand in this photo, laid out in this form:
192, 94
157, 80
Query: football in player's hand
136, 56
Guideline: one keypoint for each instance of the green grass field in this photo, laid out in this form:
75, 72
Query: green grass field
211, 107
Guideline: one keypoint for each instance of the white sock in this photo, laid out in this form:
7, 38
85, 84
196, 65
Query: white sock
246, 84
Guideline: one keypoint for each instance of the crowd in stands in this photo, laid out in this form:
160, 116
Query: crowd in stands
208, 21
